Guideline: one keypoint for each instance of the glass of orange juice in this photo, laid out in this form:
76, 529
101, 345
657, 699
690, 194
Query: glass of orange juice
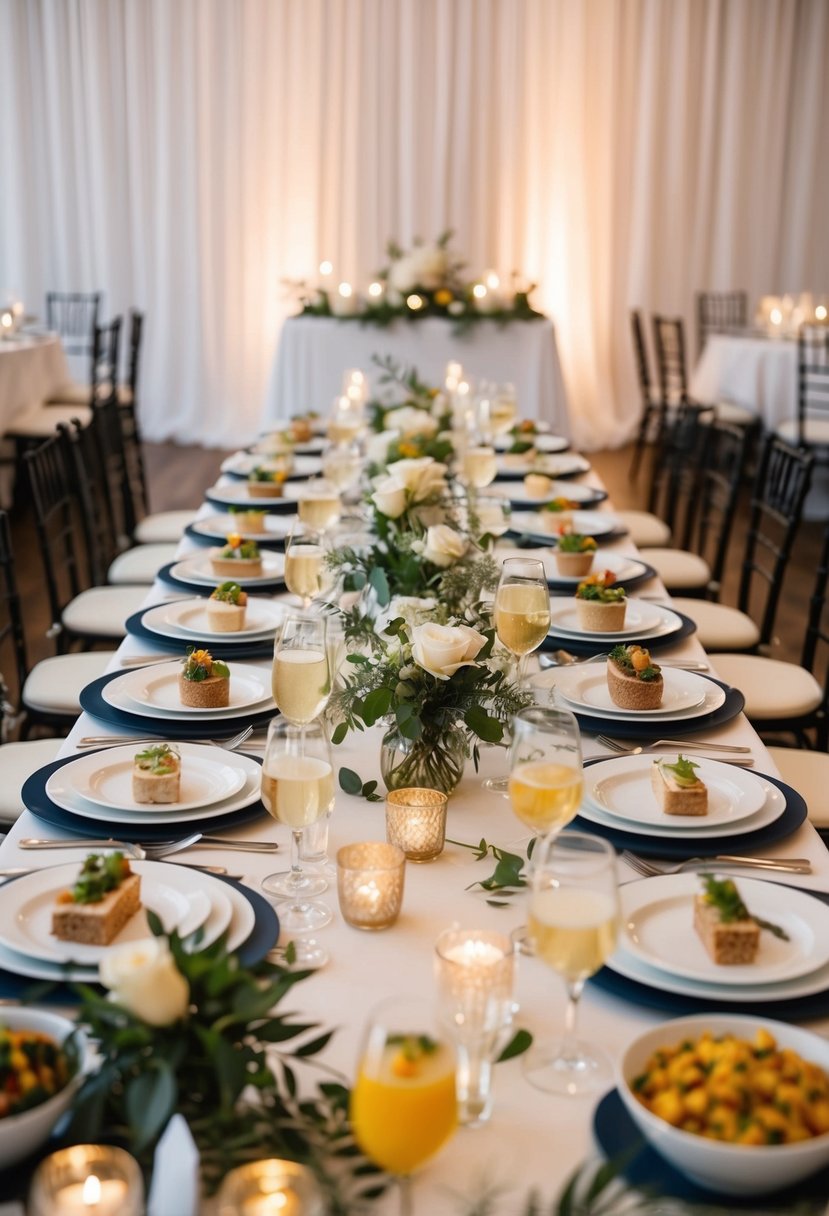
403, 1104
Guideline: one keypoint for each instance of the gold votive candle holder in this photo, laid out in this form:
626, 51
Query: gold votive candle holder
370, 884
416, 822
89, 1178
271, 1187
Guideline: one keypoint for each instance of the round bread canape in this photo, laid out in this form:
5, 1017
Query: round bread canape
235, 567
627, 688
574, 565
227, 615
265, 489
597, 617
212, 693
250, 521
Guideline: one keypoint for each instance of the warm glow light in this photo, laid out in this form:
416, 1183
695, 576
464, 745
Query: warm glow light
6, 320
326, 267
479, 291
345, 290
414, 302
91, 1194
492, 281
375, 289
775, 316
820, 312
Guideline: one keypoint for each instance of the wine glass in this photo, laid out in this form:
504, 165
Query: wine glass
479, 465
319, 504
297, 790
342, 465
305, 563
545, 781
403, 1104
573, 926
301, 680
522, 608
503, 408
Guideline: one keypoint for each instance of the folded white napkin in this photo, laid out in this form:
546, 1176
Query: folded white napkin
175, 1186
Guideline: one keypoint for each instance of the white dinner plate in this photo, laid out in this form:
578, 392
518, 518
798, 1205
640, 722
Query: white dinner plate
208, 775
658, 928
155, 688
221, 895
26, 919
247, 683
622, 787
243, 463
620, 565
587, 523
634, 968
543, 441
68, 800
771, 810
199, 570
188, 619
684, 693
515, 492
218, 527
567, 464
309, 447
235, 494
642, 620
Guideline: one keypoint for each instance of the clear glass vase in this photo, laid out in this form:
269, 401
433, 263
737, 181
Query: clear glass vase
434, 761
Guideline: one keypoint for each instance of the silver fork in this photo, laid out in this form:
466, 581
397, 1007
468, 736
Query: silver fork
617, 745
116, 740
652, 869
563, 658
157, 849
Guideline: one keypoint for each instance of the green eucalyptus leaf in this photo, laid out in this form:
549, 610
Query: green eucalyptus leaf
150, 1100
487, 728
350, 781
518, 1044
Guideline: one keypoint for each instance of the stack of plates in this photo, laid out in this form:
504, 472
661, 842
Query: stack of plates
513, 468
184, 900
242, 464
197, 574
588, 523
215, 529
659, 946
587, 496
185, 621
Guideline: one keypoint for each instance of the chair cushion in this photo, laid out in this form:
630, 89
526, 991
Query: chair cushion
102, 611
808, 773
18, 761
678, 569
816, 431
53, 686
71, 393
646, 530
737, 415
141, 564
718, 626
41, 421
164, 526
772, 688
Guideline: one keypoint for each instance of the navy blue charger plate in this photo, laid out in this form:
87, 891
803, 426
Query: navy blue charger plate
284, 507
569, 588
183, 584
533, 540
625, 728
179, 646
276, 543
679, 850
522, 503
182, 728
581, 646
619, 1139
516, 475
36, 799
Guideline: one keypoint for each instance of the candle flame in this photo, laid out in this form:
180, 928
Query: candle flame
479, 291
375, 289
414, 302
91, 1193
820, 312
345, 290
775, 316
326, 267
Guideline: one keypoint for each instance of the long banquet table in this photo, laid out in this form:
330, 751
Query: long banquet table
313, 352
533, 1140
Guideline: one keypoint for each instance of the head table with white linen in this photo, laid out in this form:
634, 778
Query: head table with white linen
533, 1140
751, 370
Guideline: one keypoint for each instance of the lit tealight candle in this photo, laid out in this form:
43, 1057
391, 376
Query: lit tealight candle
7, 323
820, 312
414, 302
776, 316
87, 1180
416, 822
326, 268
270, 1188
344, 302
370, 884
484, 298
375, 290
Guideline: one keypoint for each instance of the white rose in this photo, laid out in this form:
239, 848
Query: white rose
443, 649
403, 274
444, 546
389, 497
409, 420
413, 608
423, 477
377, 447
430, 266
143, 977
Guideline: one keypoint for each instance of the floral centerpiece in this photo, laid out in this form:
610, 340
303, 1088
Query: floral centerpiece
439, 690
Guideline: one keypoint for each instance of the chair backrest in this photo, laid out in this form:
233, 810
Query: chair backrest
640, 352
669, 344
97, 489
812, 383
57, 513
718, 492
817, 639
719, 312
781, 484
74, 315
11, 614
106, 349
136, 495
677, 466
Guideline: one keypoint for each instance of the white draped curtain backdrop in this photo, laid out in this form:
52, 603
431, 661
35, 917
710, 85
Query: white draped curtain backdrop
186, 156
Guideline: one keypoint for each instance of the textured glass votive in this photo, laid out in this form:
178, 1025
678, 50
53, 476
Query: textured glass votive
270, 1188
87, 1178
416, 822
370, 884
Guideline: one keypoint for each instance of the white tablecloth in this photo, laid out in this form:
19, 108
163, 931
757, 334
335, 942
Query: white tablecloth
533, 1140
756, 372
31, 369
314, 352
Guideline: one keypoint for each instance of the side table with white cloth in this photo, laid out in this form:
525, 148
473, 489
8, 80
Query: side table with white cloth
757, 372
533, 1140
314, 352
31, 369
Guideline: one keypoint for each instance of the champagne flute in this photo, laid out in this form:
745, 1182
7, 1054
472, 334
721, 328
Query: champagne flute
305, 563
573, 925
479, 466
503, 408
297, 790
545, 781
403, 1104
301, 680
342, 464
522, 608
319, 505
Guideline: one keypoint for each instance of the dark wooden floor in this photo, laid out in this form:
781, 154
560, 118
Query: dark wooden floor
177, 476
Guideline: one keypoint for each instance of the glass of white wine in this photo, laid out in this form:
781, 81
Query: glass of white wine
301, 679
573, 928
319, 505
545, 781
479, 465
503, 408
342, 464
522, 608
305, 571
297, 790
